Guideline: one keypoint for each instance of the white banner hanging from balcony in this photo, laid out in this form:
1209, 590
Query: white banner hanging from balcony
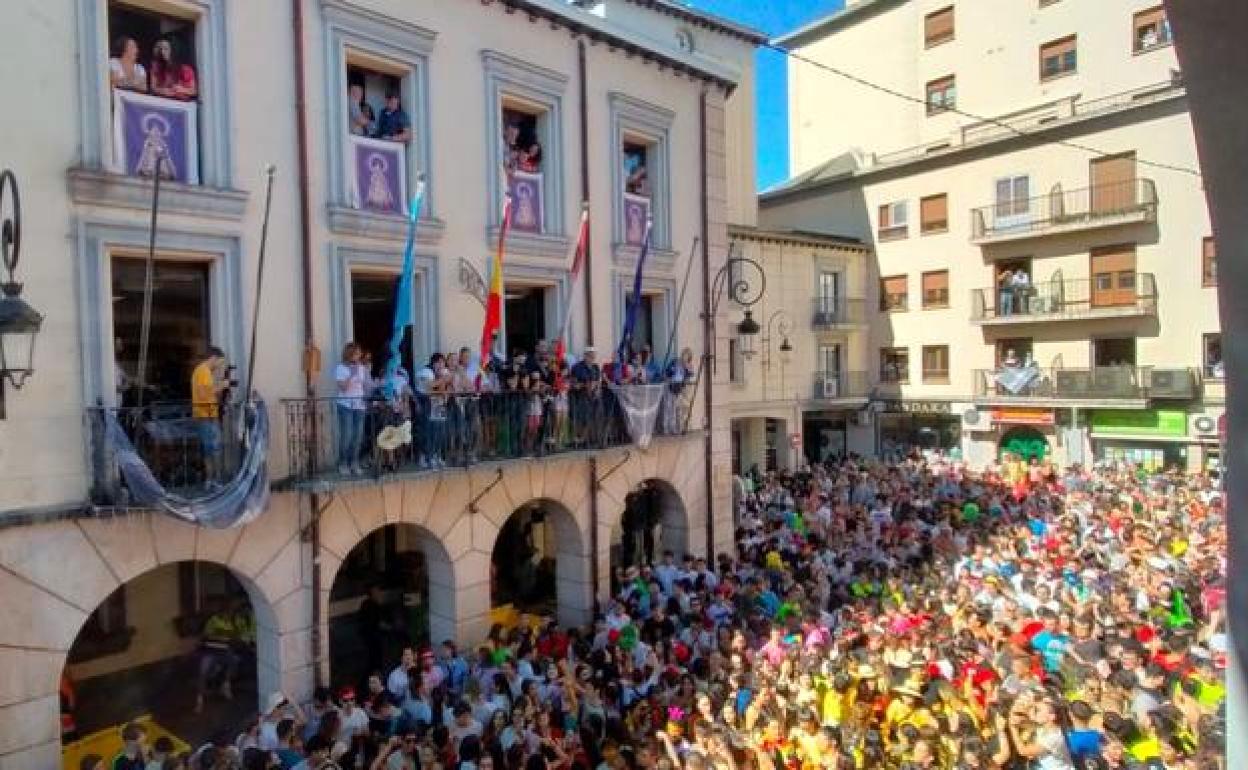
377, 170
640, 405
152, 134
237, 502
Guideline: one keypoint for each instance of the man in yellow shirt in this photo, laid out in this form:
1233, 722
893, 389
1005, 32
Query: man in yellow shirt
207, 382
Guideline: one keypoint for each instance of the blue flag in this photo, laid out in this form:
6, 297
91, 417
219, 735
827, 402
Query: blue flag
404, 313
634, 303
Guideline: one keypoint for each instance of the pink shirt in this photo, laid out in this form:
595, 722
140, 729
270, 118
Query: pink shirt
774, 652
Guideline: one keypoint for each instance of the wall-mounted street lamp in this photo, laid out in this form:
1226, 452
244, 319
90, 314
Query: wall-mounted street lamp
783, 324
734, 280
19, 322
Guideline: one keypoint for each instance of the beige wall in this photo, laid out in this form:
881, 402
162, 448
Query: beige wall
994, 56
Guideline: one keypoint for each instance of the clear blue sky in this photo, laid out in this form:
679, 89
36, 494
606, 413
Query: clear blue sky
772, 17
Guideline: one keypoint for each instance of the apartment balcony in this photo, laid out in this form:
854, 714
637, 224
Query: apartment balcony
1065, 211
1124, 386
831, 313
170, 442
841, 386
1112, 295
427, 434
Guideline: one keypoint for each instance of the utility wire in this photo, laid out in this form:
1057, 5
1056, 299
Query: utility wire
994, 121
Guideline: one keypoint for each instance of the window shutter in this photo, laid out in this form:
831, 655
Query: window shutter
938, 26
934, 212
886, 218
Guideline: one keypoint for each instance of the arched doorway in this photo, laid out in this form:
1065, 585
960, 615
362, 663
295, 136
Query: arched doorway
1026, 442
394, 590
539, 565
654, 522
175, 648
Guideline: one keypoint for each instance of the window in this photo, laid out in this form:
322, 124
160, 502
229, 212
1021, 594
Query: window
894, 365
736, 362
380, 126
1113, 351
935, 289
936, 363
1208, 263
1012, 198
938, 27
941, 95
1058, 58
1212, 355
640, 174
893, 221
893, 293
1151, 29
934, 214
830, 360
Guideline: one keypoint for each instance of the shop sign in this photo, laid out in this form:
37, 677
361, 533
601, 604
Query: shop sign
917, 407
1140, 422
1023, 416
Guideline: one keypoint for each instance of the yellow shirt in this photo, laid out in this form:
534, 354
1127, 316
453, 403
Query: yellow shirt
203, 393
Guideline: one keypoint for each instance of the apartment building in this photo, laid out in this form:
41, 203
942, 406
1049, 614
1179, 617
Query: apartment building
106, 597
1046, 276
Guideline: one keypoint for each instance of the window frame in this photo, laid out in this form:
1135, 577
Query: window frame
932, 42
923, 290
1013, 216
1208, 259
950, 83
212, 69
1164, 24
935, 376
632, 118
894, 231
1074, 40
943, 225
510, 79
1204, 356
885, 306
903, 373
653, 286
407, 48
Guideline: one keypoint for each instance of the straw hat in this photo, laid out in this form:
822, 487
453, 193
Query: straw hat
395, 436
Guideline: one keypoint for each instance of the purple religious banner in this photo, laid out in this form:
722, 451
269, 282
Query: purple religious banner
377, 169
526, 200
153, 135
636, 213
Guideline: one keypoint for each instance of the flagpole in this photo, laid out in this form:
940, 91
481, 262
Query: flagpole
680, 306
149, 280
630, 316
403, 311
270, 170
569, 299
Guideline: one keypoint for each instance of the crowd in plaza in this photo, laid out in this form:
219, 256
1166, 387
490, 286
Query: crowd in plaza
910, 615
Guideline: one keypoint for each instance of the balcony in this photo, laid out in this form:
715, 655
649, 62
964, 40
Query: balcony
453, 431
1065, 211
841, 386
170, 442
1113, 295
837, 313
1117, 385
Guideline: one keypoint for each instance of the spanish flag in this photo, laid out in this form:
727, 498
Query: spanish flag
494, 302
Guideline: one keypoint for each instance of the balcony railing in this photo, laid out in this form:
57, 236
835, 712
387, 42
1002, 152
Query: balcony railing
329, 441
1064, 210
830, 386
1100, 383
1113, 295
173, 444
831, 312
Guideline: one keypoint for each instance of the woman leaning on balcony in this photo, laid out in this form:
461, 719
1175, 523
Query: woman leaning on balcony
171, 77
124, 70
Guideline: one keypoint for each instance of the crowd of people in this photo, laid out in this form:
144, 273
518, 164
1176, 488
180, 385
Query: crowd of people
459, 409
910, 615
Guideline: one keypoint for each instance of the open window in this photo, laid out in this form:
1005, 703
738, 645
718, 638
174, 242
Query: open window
154, 92
372, 318
638, 194
379, 131
1151, 29
1211, 355
529, 316
525, 131
895, 365
641, 174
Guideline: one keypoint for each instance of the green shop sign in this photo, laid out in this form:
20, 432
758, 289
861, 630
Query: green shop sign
1141, 422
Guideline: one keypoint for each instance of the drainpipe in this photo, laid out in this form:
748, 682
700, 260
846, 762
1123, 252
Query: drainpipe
311, 356
708, 339
588, 268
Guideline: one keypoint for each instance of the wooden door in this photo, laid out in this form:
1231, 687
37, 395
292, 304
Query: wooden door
1113, 276
1113, 183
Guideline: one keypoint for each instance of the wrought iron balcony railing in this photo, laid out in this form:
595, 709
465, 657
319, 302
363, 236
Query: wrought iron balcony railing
1062, 210
830, 386
1111, 295
832, 312
1097, 383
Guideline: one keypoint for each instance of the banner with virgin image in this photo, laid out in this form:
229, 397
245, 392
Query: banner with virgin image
526, 195
153, 135
636, 214
377, 170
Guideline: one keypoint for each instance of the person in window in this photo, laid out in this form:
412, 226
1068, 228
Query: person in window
171, 77
1021, 284
393, 123
511, 146
635, 180
531, 158
207, 385
362, 119
124, 70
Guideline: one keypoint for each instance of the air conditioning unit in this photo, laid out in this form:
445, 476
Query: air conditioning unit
1072, 383
1202, 425
830, 387
1170, 383
973, 420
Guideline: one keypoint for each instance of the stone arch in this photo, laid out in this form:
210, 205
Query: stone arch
53, 576
668, 512
562, 534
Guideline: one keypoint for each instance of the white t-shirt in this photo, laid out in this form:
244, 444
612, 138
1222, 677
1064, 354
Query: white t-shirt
140, 74
353, 725
350, 395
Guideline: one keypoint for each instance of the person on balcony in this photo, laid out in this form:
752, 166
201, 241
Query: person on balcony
124, 70
171, 77
351, 377
207, 384
432, 383
635, 180
1021, 284
362, 119
1005, 293
393, 124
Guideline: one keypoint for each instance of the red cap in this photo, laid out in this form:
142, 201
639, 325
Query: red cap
347, 693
